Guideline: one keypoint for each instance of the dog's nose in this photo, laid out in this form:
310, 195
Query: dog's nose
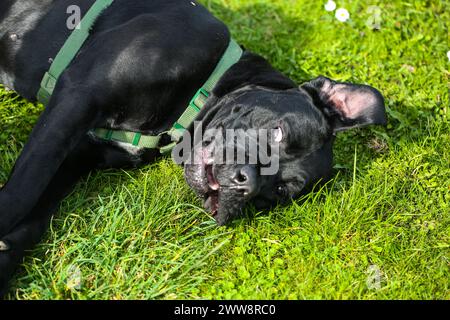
246, 179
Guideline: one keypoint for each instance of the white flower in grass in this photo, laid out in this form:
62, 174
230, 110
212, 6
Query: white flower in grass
330, 5
73, 281
342, 14
448, 55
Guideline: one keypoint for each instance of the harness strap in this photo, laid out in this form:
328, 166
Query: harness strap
71, 48
132, 138
231, 56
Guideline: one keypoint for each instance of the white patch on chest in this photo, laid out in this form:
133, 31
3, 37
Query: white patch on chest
130, 149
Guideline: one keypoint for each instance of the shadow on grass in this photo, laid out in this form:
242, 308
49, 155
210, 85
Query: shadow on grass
269, 31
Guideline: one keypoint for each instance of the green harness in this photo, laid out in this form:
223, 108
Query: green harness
73, 45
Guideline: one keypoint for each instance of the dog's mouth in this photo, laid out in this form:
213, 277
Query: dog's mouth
212, 196
212, 182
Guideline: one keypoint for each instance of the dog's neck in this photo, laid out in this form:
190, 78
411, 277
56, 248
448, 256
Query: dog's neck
252, 70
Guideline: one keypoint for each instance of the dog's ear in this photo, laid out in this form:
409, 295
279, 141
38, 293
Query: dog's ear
347, 105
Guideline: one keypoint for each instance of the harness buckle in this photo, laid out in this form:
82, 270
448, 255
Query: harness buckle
193, 103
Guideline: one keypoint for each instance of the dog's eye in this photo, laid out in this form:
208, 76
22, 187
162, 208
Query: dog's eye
278, 134
282, 191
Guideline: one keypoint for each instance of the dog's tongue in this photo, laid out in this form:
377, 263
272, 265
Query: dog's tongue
212, 182
212, 203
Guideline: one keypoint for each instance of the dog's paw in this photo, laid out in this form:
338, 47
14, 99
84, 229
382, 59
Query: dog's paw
8, 264
4, 246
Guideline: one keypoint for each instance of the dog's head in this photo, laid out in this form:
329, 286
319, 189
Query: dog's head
300, 123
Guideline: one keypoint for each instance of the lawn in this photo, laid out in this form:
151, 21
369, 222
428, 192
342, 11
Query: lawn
379, 230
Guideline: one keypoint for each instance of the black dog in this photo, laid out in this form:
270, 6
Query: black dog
143, 62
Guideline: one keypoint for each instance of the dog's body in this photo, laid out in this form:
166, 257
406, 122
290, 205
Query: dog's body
143, 62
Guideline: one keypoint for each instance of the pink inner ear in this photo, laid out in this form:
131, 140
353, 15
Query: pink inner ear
350, 103
339, 102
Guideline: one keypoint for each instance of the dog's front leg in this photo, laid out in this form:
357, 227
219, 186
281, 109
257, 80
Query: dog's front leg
69, 116
86, 157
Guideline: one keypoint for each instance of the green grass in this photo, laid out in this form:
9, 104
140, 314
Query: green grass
142, 234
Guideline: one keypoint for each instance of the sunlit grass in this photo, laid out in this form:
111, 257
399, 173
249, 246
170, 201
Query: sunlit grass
142, 234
